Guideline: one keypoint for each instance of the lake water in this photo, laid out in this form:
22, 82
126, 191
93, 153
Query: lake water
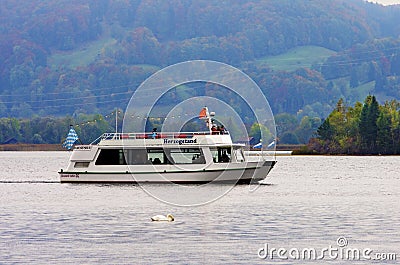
307, 202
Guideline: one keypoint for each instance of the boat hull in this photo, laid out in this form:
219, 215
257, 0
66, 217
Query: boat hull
238, 174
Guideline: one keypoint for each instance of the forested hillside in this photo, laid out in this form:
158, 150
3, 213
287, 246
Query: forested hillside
68, 57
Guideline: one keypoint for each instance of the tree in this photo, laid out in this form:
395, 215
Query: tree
384, 136
325, 130
289, 138
306, 128
368, 127
285, 122
37, 139
260, 132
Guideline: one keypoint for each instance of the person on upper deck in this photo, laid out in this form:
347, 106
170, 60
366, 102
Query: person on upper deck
154, 134
222, 129
214, 130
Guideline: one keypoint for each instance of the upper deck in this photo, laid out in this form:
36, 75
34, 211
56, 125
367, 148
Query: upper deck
165, 138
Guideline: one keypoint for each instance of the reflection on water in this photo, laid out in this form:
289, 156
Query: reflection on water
306, 202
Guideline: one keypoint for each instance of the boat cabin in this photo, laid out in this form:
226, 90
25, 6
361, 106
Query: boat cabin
164, 149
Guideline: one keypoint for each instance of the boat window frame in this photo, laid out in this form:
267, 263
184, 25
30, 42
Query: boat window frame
217, 154
142, 156
81, 164
196, 153
239, 150
163, 160
106, 157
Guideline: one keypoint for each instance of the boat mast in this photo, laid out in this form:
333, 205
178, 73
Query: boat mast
116, 121
209, 121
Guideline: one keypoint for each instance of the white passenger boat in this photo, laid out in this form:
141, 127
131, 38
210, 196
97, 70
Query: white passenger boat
178, 157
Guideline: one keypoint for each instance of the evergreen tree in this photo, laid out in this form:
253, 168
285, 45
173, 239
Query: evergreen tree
373, 116
367, 126
340, 106
384, 136
325, 131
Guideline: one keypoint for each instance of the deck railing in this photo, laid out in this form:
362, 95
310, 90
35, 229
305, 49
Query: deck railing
151, 135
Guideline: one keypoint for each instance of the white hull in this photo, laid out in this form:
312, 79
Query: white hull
175, 157
230, 173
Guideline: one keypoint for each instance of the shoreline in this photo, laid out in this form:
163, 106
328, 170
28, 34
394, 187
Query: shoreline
31, 147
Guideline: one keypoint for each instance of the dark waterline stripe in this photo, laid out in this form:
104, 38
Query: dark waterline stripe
28, 181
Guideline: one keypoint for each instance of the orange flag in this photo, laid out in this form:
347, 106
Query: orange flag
203, 113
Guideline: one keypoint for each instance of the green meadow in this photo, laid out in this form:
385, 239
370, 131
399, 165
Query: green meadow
302, 56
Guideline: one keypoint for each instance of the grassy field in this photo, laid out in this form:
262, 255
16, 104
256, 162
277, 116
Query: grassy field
364, 90
352, 95
88, 54
302, 56
82, 56
368, 89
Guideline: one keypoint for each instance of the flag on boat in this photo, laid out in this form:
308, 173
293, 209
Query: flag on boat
72, 137
258, 146
271, 144
203, 113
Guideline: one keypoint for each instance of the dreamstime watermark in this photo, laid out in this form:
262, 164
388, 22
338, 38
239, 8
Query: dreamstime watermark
340, 251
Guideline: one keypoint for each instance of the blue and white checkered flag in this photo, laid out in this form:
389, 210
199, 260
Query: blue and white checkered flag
258, 146
72, 137
271, 144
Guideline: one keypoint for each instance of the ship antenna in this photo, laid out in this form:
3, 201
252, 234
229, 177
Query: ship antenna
116, 121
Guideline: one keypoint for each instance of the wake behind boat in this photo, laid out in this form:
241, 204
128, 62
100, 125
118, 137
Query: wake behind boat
165, 157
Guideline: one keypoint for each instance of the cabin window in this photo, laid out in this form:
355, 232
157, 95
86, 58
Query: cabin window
221, 154
81, 164
238, 152
157, 156
136, 156
153, 156
186, 156
111, 157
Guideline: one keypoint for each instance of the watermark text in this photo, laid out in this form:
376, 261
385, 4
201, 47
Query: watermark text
340, 251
